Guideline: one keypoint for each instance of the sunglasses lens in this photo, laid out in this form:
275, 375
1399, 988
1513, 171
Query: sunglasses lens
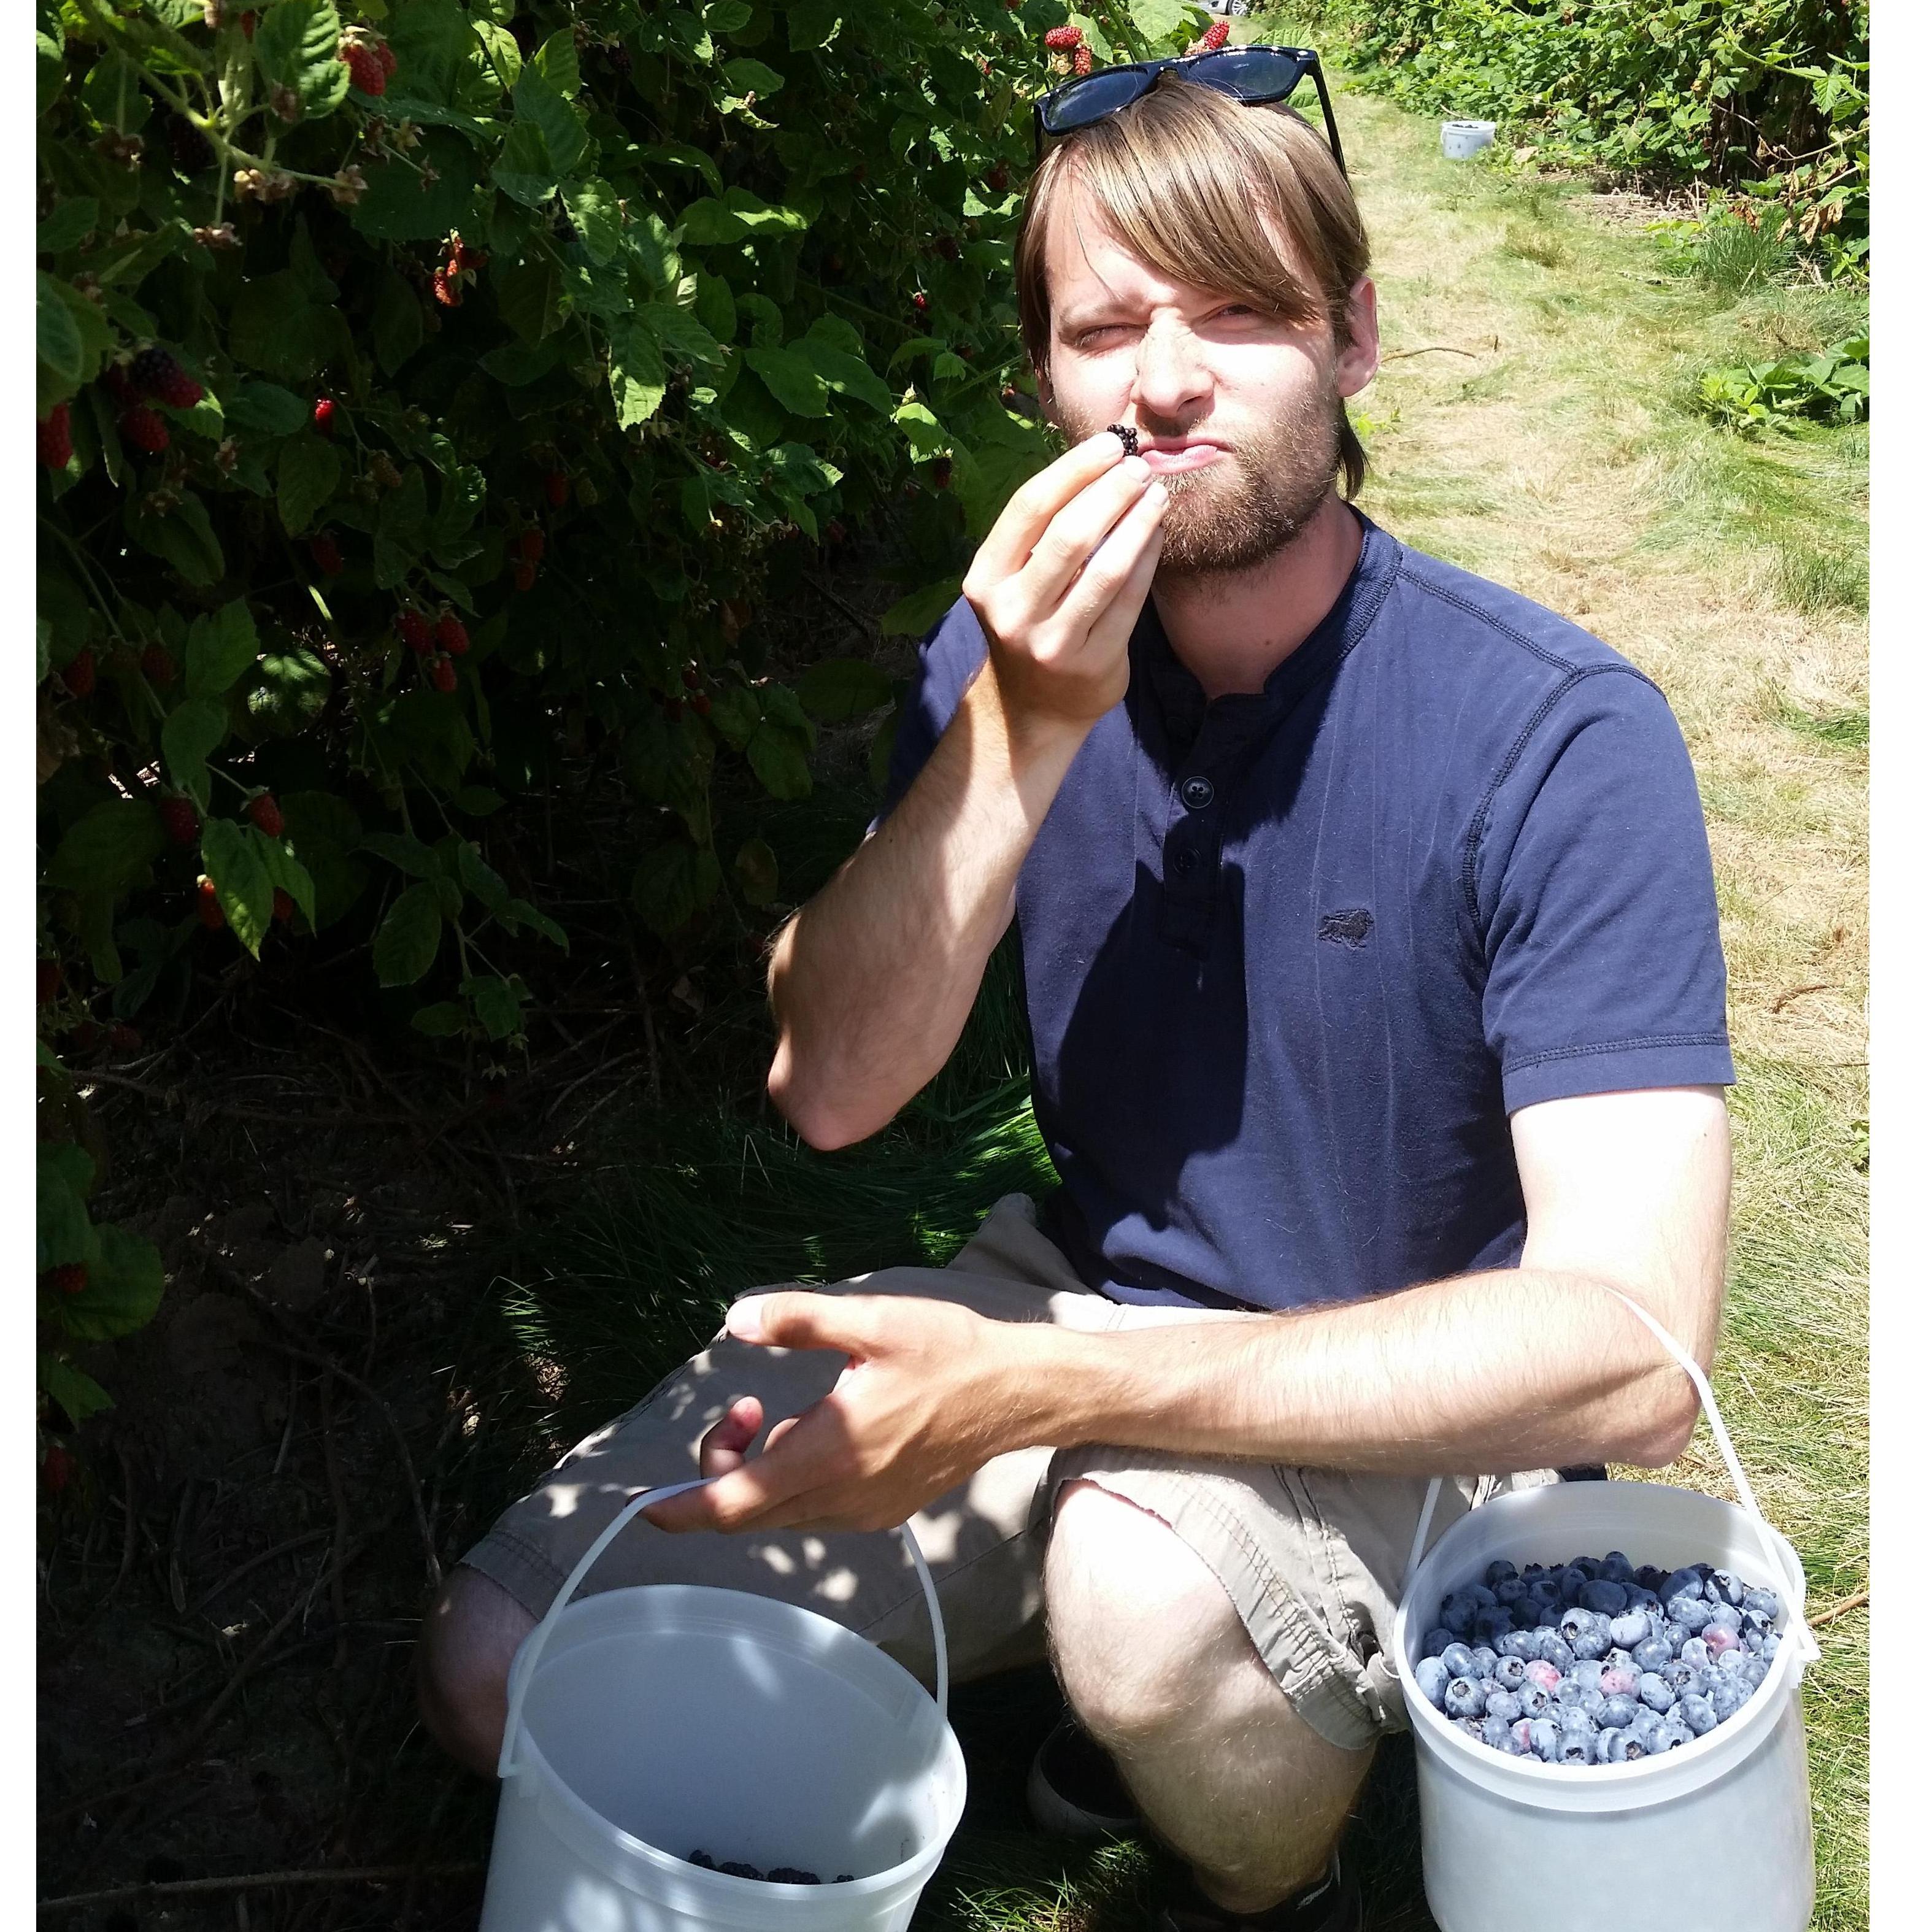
1250, 72
1098, 95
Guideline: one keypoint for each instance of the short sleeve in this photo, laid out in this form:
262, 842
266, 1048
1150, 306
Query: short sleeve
1595, 903
952, 653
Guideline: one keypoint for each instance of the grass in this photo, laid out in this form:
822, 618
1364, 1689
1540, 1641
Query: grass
1532, 423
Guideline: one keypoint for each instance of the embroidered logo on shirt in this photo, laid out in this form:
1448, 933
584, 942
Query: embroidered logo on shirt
1352, 928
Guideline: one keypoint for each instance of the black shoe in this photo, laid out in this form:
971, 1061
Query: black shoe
1584, 1472
1335, 1905
1073, 1790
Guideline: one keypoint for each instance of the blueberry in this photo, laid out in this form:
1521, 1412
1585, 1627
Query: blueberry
1587, 1672
1688, 1578
1432, 1679
1618, 1711
1511, 1592
1614, 1659
1572, 1581
1672, 1633
703, 1859
1520, 1644
1695, 1650
1607, 1597
1621, 1748
1553, 1650
1593, 1705
1641, 1599
1616, 1566
1771, 1647
1670, 1734
1630, 1630
790, 1875
1548, 1615
1721, 1641
1542, 1674
1525, 1613
1545, 1740
1724, 1617
1721, 1587
1727, 1699
1577, 1747
1500, 1571
1484, 1661
1649, 1577
1692, 1612
1504, 1705
1574, 1717
1765, 1603
1496, 1733
1458, 1659
1437, 1642
1755, 1672
1519, 1738
1470, 1727
1511, 1671
1594, 1641
1653, 1690
1481, 1594
1678, 1675
1591, 1567
1730, 1662
1463, 1698
1618, 1681
1569, 1693
1698, 1714
1653, 1653
735, 1868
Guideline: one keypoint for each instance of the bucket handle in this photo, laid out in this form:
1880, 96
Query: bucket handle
1808, 1651
524, 1668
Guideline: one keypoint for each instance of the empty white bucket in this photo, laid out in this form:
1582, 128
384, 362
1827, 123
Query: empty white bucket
1462, 139
1719, 1828
647, 1723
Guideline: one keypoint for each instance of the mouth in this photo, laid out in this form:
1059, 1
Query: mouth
1175, 456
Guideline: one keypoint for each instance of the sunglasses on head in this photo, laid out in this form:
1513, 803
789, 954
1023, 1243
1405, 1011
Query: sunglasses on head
1255, 75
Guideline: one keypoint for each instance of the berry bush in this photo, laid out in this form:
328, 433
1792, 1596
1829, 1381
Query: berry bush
1769, 98
421, 386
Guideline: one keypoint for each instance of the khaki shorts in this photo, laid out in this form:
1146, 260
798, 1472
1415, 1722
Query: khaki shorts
1311, 1559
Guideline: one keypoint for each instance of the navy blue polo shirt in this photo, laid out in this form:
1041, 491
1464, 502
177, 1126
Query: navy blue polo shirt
1292, 959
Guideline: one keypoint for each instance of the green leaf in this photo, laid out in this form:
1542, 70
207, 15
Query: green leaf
397, 324
242, 885
913, 616
592, 207
556, 61
293, 691
113, 94
500, 45
191, 731
813, 23
478, 879
401, 528
836, 688
71, 224
285, 870
637, 374
407, 941
1159, 19
275, 327
219, 649
542, 105
678, 332
679, 154
922, 430
521, 913
751, 76
525, 171
496, 1004
673, 885
57, 335
527, 298
844, 373
108, 849
756, 869
62, 1232
792, 380
295, 43
411, 855
123, 1289
184, 538
479, 801
305, 479
398, 207
80, 1395
443, 1021
267, 407
777, 753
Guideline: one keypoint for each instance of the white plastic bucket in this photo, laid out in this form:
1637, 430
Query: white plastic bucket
1719, 1828
1462, 139
647, 1723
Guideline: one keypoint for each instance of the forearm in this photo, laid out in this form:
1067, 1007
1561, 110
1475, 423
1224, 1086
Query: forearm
872, 982
1519, 1369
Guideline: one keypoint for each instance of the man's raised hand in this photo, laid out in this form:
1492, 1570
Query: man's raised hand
1059, 581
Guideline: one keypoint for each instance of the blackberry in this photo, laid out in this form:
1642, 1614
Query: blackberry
1130, 438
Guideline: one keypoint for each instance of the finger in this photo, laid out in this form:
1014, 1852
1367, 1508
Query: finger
795, 1319
1110, 592
780, 1430
1069, 542
725, 1442
811, 1452
1036, 502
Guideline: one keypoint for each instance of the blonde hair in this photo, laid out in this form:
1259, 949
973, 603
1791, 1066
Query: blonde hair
1206, 189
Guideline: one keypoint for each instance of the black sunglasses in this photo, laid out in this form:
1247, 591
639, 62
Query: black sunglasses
1255, 75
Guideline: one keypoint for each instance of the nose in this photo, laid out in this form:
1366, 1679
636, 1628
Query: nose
1171, 382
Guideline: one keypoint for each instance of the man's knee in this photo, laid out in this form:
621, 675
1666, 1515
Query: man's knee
463, 1666
1141, 1627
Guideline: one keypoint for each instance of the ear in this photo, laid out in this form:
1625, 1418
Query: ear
1360, 357
1043, 381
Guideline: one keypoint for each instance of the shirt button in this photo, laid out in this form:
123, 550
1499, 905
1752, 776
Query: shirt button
1184, 862
1196, 793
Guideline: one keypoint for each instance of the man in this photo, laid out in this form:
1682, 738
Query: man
1371, 964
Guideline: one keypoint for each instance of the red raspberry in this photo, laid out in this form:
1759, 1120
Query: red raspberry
700, 703
948, 248
834, 532
53, 439
180, 821
266, 814
155, 372
450, 634
691, 680
326, 554
996, 178
323, 415
388, 59
47, 980
530, 545
145, 430
248, 25
123, 1038
158, 666
285, 906
69, 1278
78, 675
443, 674
556, 488
448, 291
1083, 61
366, 72
413, 627
523, 575
57, 1468
921, 302
1216, 37
1063, 40
207, 907
114, 380
942, 473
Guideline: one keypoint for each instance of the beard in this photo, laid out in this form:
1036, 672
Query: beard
1254, 501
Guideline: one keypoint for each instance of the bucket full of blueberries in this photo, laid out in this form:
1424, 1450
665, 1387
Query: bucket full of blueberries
1603, 1682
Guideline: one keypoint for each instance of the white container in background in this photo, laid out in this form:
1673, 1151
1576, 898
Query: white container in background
1461, 140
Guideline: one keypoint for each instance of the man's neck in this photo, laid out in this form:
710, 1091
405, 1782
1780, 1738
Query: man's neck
1232, 631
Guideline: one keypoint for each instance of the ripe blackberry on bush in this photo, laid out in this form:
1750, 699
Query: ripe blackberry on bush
180, 821
450, 634
284, 907
326, 555
556, 488
158, 666
69, 1278
145, 430
155, 372
530, 544
443, 674
78, 675
413, 627
266, 814
53, 439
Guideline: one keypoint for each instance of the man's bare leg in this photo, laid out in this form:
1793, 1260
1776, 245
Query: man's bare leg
1158, 1668
462, 1666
